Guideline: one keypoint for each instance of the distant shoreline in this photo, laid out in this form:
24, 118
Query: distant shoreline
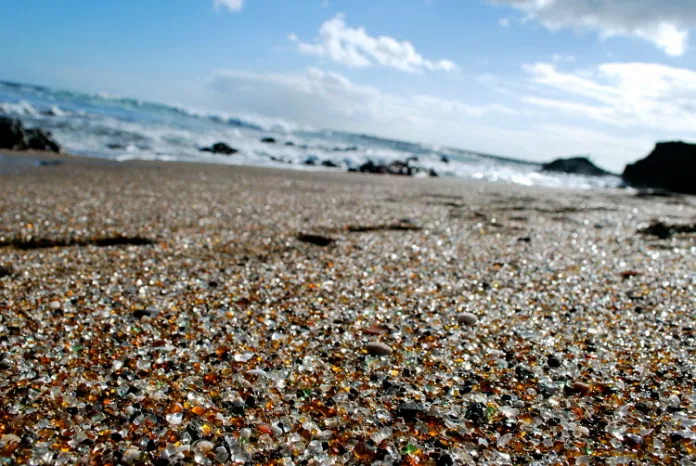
112, 127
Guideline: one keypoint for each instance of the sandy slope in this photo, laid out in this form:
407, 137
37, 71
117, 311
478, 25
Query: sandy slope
161, 312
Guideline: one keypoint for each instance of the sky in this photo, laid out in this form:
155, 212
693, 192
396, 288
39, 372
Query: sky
533, 79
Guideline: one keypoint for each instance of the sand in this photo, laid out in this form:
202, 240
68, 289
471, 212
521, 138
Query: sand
163, 313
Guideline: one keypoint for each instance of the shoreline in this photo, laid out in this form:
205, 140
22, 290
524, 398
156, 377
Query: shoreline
157, 311
80, 160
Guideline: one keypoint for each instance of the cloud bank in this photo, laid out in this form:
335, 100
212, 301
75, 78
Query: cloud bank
319, 96
664, 23
643, 95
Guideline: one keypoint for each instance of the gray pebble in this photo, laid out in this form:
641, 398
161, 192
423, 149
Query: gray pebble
377, 348
467, 318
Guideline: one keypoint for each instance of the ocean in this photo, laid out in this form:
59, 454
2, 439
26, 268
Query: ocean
115, 128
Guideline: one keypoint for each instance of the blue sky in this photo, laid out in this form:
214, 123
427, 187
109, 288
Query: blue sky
525, 78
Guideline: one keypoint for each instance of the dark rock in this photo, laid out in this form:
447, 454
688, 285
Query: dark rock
400, 168
220, 148
444, 159
644, 407
670, 166
269, 140
39, 139
311, 160
317, 240
329, 163
236, 407
665, 231
13, 135
5, 270
117, 146
577, 388
409, 411
397, 226
289, 143
575, 165
371, 167
397, 167
476, 413
553, 362
140, 313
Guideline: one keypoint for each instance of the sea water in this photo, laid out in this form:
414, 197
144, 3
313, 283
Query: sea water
98, 125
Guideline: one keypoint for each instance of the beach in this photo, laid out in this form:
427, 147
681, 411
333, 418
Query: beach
155, 312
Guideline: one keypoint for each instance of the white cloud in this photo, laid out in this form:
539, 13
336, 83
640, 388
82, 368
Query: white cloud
665, 23
232, 5
645, 95
354, 47
324, 98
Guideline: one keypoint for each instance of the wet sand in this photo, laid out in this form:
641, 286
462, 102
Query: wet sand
163, 313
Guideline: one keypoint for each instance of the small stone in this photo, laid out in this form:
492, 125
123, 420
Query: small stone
409, 411
203, 446
577, 388
132, 456
9, 439
553, 362
318, 240
444, 460
175, 418
644, 407
220, 148
476, 413
633, 441
5, 270
221, 455
467, 318
140, 313
377, 348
